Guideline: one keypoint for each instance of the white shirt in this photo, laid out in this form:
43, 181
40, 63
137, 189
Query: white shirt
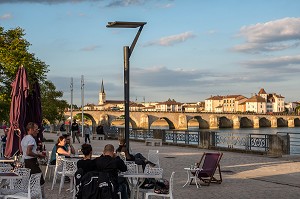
28, 140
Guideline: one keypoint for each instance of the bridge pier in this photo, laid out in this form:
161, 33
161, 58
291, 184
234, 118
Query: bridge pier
291, 122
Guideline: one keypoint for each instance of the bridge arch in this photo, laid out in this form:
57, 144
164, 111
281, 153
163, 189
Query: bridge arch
245, 122
89, 116
282, 122
162, 122
224, 122
199, 121
264, 122
297, 122
120, 122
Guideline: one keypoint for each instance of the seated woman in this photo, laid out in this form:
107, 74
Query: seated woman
61, 148
138, 158
87, 164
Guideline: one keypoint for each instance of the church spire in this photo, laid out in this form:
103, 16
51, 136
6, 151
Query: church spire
102, 96
102, 87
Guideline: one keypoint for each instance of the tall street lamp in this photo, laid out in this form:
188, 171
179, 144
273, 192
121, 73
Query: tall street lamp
127, 53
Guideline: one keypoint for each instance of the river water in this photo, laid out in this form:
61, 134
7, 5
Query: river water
293, 132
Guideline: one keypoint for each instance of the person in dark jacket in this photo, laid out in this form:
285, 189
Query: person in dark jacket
87, 164
111, 163
75, 131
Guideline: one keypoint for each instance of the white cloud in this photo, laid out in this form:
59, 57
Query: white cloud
283, 62
6, 16
270, 36
90, 48
173, 39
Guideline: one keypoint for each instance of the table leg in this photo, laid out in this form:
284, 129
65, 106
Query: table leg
188, 178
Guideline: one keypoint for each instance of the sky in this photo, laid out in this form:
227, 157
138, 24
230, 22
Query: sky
188, 51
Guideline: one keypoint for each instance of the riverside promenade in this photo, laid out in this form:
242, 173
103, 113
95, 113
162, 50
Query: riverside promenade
244, 175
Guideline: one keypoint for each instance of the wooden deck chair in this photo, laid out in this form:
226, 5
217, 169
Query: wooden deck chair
208, 164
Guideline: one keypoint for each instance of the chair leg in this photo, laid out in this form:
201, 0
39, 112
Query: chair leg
54, 180
62, 180
46, 171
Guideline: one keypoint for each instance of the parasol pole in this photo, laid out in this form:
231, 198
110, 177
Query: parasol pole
71, 88
82, 104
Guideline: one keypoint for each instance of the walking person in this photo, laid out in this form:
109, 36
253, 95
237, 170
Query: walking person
87, 133
30, 153
75, 131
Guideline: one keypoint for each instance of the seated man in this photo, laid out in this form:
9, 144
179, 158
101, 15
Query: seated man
111, 163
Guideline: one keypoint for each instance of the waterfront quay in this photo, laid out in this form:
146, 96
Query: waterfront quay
244, 175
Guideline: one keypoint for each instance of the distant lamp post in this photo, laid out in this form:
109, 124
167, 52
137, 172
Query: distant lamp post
127, 53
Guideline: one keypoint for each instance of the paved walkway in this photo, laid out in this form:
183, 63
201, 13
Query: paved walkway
244, 175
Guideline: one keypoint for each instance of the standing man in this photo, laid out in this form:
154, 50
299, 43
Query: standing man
87, 134
30, 154
109, 162
75, 131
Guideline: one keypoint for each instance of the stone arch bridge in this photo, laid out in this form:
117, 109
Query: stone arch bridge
178, 120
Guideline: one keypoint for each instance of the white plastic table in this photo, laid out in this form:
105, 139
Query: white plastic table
4, 177
138, 177
190, 176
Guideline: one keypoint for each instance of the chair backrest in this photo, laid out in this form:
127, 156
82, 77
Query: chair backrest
69, 166
59, 163
131, 168
34, 187
153, 156
153, 171
22, 183
210, 163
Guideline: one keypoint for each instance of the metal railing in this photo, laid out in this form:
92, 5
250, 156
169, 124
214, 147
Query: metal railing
261, 143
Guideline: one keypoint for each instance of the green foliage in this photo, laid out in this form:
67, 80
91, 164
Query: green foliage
297, 110
53, 108
14, 52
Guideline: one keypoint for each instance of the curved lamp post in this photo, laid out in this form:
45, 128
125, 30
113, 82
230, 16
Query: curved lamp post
127, 52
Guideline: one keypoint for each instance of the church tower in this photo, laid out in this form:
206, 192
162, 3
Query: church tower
102, 95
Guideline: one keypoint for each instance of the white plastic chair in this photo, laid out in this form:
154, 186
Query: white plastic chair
4, 168
49, 166
58, 169
33, 189
153, 156
169, 195
69, 169
132, 168
18, 185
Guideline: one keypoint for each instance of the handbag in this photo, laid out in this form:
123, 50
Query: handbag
161, 186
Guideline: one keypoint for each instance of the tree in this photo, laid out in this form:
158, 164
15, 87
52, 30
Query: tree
53, 107
297, 110
14, 53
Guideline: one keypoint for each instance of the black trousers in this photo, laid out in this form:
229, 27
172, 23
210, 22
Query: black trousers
34, 167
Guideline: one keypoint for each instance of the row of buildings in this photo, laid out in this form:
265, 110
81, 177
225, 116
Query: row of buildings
262, 102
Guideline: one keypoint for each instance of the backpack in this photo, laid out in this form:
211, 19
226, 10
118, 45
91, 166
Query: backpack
161, 186
94, 185
78, 176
